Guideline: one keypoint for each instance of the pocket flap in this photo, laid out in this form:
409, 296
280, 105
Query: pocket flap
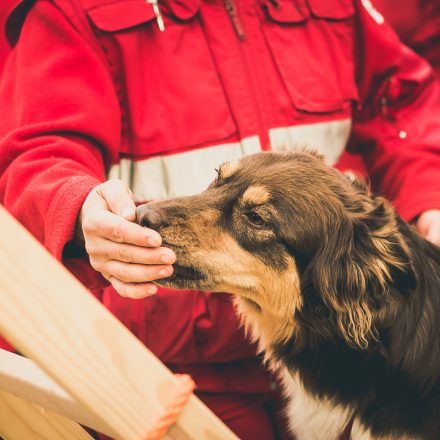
333, 9
287, 11
121, 15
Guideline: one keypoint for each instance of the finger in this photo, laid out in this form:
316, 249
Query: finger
133, 290
119, 198
108, 250
136, 273
428, 225
434, 236
115, 228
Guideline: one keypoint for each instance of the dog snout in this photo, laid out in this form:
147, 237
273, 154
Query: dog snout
150, 217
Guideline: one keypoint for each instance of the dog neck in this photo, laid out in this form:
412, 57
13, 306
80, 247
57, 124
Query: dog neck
263, 325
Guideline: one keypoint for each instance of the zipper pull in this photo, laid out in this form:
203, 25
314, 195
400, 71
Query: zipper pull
159, 18
231, 8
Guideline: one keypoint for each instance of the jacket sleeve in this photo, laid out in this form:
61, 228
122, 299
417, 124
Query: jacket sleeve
59, 128
397, 124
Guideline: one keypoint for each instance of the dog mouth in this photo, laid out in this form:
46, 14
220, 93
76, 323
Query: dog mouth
184, 277
187, 273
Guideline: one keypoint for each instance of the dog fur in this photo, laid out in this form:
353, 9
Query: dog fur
341, 294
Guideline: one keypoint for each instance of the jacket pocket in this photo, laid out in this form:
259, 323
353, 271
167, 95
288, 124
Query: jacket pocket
121, 16
165, 80
312, 43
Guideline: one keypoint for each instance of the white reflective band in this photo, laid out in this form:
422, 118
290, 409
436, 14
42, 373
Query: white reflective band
377, 16
328, 138
190, 172
180, 174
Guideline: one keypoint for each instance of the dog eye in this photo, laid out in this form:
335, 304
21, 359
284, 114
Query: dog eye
255, 218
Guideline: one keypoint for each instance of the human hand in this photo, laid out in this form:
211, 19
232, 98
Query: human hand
428, 225
128, 255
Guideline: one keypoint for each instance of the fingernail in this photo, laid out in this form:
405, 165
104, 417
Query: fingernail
166, 258
165, 272
128, 211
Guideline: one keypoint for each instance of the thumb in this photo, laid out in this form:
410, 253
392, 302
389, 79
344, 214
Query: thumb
119, 198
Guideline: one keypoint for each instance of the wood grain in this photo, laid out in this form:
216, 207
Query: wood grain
22, 420
51, 318
23, 378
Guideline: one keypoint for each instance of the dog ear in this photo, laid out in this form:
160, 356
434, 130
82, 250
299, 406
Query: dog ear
356, 267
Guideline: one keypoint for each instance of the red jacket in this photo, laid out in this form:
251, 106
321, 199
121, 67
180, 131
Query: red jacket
417, 22
94, 89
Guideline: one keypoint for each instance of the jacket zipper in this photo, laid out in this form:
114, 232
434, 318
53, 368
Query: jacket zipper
231, 8
237, 24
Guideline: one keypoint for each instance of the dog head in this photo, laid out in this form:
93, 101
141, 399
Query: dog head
303, 246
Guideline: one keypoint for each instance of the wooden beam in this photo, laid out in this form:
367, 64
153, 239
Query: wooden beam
21, 420
23, 378
51, 318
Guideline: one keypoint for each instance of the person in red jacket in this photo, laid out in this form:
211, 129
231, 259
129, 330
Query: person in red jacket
105, 104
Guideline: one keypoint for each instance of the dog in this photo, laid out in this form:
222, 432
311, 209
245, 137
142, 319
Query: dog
342, 295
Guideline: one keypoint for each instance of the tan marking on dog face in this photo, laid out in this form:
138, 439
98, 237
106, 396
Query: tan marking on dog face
206, 219
256, 195
269, 298
228, 169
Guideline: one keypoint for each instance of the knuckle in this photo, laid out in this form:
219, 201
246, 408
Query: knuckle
123, 274
116, 234
115, 186
151, 275
125, 253
105, 254
90, 224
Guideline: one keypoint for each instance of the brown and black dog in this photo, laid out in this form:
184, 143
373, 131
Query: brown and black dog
342, 295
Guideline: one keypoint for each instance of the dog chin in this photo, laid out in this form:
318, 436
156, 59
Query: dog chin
185, 277
182, 284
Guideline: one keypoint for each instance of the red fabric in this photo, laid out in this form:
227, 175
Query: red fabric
5, 345
418, 24
250, 416
86, 86
5, 7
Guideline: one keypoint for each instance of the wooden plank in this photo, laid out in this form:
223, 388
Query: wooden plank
51, 318
21, 420
23, 378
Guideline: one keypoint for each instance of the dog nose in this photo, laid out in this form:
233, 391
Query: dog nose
149, 217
